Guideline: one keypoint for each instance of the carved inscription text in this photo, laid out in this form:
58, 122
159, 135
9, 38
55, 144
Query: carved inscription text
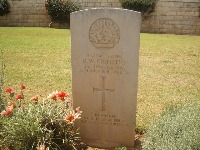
105, 119
104, 64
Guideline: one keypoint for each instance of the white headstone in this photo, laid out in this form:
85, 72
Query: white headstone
105, 53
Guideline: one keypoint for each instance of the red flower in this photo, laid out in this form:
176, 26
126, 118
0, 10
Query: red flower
73, 115
9, 90
19, 96
53, 95
62, 95
6, 112
70, 118
35, 98
22, 86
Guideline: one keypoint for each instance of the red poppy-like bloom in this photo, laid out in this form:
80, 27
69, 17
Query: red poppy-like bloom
9, 90
35, 98
19, 96
53, 95
23, 86
6, 112
62, 95
70, 118
73, 115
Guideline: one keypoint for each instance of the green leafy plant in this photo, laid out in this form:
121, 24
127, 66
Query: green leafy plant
4, 7
39, 124
60, 10
143, 6
178, 128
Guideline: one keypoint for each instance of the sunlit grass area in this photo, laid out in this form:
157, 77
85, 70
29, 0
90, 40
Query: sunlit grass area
37, 57
169, 71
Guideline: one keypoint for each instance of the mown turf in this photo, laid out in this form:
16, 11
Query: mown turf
37, 57
169, 71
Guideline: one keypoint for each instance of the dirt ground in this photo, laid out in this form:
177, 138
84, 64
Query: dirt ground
138, 144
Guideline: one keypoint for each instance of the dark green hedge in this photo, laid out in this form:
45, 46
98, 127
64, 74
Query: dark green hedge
143, 6
4, 7
60, 10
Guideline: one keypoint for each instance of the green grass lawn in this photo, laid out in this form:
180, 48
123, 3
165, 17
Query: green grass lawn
169, 71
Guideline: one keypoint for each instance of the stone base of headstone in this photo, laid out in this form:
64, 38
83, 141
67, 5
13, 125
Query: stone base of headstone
137, 145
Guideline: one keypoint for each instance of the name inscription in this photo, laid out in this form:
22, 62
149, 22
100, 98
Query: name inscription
105, 64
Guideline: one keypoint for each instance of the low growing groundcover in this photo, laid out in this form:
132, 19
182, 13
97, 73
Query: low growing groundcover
177, 128
40, 58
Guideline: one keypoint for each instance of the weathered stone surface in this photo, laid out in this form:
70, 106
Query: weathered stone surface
105, 45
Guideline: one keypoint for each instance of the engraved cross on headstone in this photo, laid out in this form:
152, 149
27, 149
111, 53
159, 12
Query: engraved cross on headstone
103, 90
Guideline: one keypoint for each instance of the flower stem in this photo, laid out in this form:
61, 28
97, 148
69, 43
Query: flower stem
19, 103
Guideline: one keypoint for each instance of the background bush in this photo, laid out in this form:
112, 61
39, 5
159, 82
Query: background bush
60, 10
143, 6
177, 129
4, 7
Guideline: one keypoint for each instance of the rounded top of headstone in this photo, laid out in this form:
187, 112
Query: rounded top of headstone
104, 33
105, 9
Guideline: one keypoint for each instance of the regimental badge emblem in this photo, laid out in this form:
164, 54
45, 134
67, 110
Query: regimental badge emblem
104, 34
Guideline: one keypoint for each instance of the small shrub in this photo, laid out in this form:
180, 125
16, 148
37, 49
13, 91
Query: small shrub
39, 123
4, 7
60, 10
177, 129
143, 6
